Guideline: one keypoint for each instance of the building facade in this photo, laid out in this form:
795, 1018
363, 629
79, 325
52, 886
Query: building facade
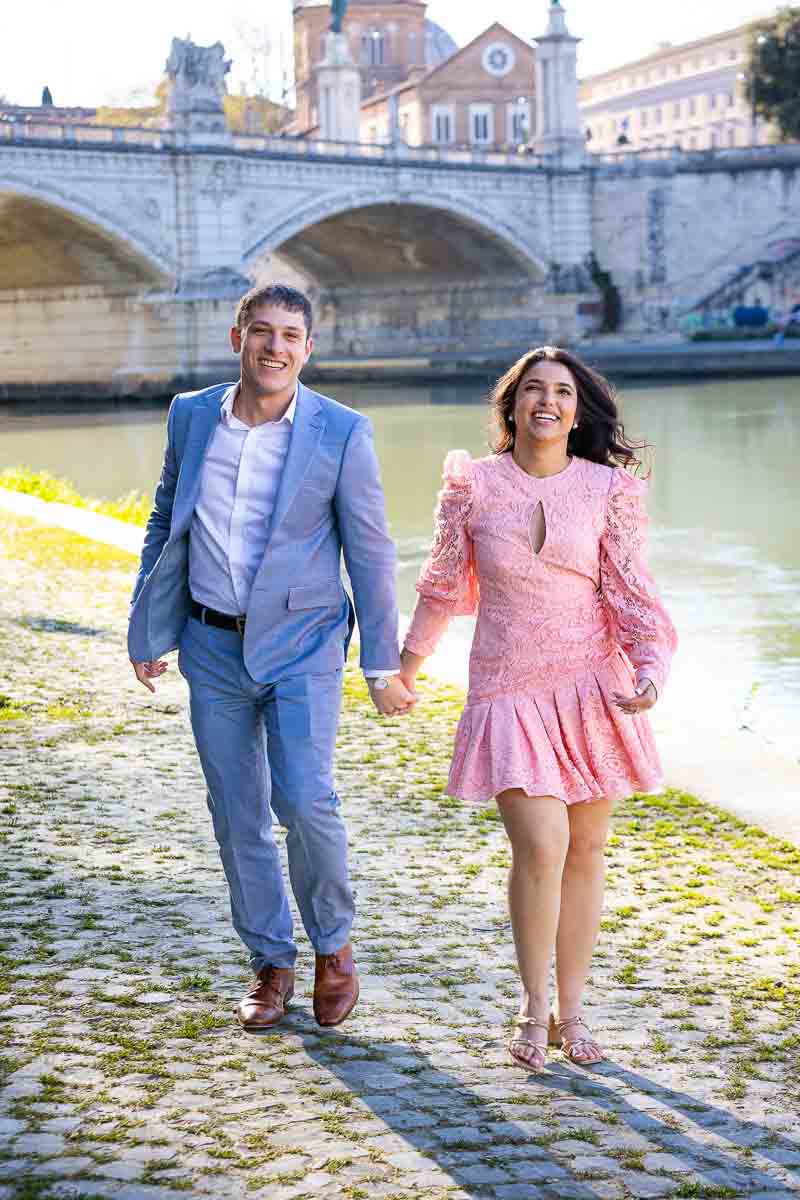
389, 41
691, 96
416, 85
481, 97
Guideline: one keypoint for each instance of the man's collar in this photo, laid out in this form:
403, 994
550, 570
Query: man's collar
226, 412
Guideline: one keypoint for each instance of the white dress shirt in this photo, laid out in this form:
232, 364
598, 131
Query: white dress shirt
238, 489
228, 534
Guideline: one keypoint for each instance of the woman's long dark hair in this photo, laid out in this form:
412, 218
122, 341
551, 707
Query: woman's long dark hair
600, 435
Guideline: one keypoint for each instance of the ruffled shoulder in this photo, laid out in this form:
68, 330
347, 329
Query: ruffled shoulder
625, 486
457, 467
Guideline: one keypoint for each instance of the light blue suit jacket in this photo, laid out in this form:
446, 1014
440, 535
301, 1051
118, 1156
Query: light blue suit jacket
329, 500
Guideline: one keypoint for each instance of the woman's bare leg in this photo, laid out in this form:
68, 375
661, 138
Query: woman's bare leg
538, 829
581, 906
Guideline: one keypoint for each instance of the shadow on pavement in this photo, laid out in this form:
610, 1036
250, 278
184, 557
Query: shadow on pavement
423, 1105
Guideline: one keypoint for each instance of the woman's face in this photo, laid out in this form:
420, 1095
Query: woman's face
545, 403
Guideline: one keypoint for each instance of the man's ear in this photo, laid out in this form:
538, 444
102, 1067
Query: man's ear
236, 339
309, 348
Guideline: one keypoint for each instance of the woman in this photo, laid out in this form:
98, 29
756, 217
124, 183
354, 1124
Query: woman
544, 540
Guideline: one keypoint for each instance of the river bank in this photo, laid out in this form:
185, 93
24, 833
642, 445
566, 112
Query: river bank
624, 360
144, 1088
619, 358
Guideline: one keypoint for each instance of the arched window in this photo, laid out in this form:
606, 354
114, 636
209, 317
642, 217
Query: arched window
412, 48
373, 50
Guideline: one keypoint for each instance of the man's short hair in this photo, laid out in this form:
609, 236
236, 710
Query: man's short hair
281, 294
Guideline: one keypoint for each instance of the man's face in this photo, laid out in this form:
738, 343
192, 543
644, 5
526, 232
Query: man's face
273, 348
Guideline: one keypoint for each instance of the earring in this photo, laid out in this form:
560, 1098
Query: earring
575, 426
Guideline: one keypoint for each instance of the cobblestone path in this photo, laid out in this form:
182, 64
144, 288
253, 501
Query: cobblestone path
125, 1074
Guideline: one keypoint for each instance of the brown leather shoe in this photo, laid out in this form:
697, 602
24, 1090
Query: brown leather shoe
335, 986
265, 1003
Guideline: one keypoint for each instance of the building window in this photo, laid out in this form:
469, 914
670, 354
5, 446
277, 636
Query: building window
733, 54
373, 48
644, 118
658, 114
731, 137
712, 100
714, 139
693, 143
676, 108
692, 106
518, 122
729, 100
481, 124
442, 124
412, 49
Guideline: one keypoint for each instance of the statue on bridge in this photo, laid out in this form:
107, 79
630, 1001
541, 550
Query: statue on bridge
195, 66
338, 9
197, 85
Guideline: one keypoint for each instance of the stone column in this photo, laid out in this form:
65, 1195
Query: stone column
339, 90
558, 125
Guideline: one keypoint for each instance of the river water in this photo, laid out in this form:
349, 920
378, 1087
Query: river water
725, 503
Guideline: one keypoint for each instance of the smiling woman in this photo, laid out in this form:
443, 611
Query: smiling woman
543, 541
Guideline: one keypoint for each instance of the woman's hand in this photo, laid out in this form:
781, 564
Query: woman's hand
644, 697
410, 664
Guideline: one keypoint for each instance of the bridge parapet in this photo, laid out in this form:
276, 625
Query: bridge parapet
91, 136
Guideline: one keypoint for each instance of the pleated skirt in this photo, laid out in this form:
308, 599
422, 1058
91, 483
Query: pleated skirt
566, 740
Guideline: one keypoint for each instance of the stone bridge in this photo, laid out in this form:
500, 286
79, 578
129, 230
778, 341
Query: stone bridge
122, 251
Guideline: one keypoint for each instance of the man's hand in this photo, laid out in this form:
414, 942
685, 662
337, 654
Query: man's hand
644, 697
394, 699
145, 671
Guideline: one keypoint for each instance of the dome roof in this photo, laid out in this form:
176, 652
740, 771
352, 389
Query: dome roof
439, 46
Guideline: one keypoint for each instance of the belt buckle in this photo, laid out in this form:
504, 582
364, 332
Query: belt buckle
240, 625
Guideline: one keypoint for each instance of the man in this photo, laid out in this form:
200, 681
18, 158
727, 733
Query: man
264, 483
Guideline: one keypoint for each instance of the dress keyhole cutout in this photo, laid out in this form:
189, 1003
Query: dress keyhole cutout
537, 529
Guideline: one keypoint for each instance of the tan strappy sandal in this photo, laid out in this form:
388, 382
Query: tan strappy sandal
557, 1036
537, 1050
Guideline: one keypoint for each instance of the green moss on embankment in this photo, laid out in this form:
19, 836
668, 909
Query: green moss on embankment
134, 507
47, 547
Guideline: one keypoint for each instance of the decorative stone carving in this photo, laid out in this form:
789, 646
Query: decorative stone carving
197, 85
223, 181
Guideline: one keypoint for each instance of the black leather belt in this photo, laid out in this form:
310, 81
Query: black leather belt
210, 616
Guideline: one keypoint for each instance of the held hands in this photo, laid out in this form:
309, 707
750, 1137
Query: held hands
394, 699
644, 697
145, 671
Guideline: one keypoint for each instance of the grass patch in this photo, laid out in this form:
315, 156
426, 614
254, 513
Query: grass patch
133, 508
49, 548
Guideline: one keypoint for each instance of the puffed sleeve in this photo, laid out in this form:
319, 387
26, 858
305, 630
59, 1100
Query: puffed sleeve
447, 584
642, 626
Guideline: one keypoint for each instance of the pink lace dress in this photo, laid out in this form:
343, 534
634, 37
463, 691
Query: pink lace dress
557, 633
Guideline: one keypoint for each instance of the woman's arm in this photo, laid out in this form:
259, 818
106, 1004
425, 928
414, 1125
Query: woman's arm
641, 623
447, 586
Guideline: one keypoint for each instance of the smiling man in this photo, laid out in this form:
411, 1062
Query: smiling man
265, 483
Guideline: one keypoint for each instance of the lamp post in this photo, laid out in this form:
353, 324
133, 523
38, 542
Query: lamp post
521, 132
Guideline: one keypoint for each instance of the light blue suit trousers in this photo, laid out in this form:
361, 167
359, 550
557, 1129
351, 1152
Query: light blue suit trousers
267, 750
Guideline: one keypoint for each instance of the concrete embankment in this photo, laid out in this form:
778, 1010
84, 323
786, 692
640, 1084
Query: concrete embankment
652, 362
647, 361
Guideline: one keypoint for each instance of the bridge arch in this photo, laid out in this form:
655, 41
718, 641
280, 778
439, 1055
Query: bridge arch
51, 239
316, 237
